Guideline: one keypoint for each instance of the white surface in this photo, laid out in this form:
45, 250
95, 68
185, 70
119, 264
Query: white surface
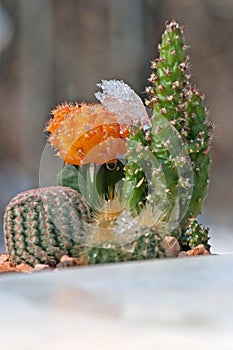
167, 304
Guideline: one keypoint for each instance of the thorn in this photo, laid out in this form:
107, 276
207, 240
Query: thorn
160, 59
149, 90
155, 99
202, 95
161, 88
173, 25
176, 84
153, 78
148, 103
173, 122
182, 66
153, 65
169, 98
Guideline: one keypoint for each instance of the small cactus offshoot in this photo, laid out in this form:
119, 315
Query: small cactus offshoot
132, 186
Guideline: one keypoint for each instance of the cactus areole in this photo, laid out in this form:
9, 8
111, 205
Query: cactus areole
132, 186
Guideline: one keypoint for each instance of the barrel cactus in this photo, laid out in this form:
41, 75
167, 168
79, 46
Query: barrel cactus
42, 225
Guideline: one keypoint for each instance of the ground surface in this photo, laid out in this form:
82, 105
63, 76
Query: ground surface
176, 304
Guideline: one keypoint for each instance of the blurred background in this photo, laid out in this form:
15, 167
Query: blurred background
53, 51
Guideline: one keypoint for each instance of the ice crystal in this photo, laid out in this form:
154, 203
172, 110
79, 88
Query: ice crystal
121, 99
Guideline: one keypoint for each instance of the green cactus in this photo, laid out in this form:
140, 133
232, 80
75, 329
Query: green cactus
135, 187
175, 99
167, 169
148, 246
176, 106
167, 86
169, 79
194, 235
43, 224
197, 131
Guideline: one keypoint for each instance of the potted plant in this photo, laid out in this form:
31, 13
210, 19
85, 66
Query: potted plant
132, 186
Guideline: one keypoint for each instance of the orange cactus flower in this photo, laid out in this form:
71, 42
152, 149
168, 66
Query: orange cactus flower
87, 133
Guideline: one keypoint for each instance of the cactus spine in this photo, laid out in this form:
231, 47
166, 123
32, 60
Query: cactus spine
43, 224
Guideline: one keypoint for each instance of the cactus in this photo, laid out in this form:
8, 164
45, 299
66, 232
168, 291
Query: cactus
195, 235
176, 104
43, 224
166, 91
197, 132
135, 187
167, 171
174, 98
148, 246
165, 100
169, 79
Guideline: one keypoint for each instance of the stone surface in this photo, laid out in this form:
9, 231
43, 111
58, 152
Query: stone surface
199, 250
166, 304
171, 246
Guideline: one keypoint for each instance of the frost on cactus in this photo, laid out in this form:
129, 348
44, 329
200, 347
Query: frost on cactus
121, 99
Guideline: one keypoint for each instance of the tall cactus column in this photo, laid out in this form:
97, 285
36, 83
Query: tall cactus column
168, 82
166, 99
197, 132
178, 106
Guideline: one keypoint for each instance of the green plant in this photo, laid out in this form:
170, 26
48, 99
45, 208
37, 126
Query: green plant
177, 109
195, 235
43, 224
163, 183
148, 246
